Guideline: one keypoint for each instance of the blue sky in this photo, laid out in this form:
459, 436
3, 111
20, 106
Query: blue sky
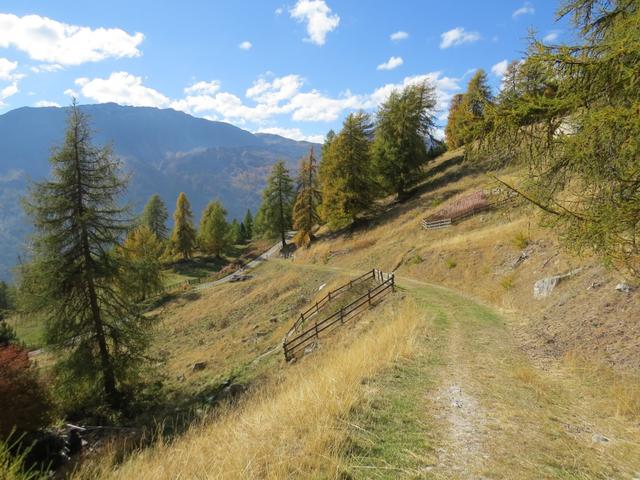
292, 68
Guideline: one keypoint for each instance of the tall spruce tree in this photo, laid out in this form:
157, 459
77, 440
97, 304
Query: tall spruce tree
346, 172
183, 237
213, 236
308, 197
277, 202
404, 121
248, 224
73, 280
155, 216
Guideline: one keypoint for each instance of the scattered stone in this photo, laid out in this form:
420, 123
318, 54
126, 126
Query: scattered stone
273, 320
199, 366
599, 438
322, 286
181, 377
543, 288
521, 258
594, 285
624, 287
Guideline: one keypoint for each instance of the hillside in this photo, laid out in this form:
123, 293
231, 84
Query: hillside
460, 374
163, 151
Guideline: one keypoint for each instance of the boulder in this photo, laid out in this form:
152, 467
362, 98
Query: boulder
624, 287
543, 287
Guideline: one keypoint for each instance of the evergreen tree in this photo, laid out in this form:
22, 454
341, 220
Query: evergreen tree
73, 278
260, 227
140, 255
236, 234
348, 189
248, 225
571, 114
243, 233
453, 128
277, 202
308, 197
213, 235
155, 216
467, 114
183, 237
403, 124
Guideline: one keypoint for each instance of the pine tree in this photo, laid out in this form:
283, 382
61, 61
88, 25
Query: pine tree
155, 216
243, 233
214, 229
277, 202
453, 128
140, 255
308, 197
183, 237
571, 115
236, 234
467, 114
403, 124
348, 189
73, 278
248, 225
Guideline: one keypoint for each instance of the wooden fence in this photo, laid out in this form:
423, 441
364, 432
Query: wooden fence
297, 339
438, 221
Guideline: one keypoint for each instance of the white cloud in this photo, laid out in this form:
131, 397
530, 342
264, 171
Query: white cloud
6, 69
500, 68
47, 67
208, 88
9, 91
50, 41
69, 92
292, 133
279, 11
551, 36
319, 18
393, 62
246, 45
271, 93
122, 88
397, 36
457, 36
46, 103
526, 9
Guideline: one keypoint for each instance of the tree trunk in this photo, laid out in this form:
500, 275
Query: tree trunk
108, 374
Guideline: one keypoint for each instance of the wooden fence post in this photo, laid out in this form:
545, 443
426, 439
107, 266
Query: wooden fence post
317, 308
341, 316
369, 296
393, 282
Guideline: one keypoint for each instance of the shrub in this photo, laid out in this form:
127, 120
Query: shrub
521, 240
507, 282
24, 404
7, 334
450, 263
11, 466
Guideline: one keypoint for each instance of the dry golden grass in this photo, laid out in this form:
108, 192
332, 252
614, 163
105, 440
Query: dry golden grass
288, 429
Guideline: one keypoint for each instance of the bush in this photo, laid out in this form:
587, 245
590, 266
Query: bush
521, 240
451, 263
24, 404
7, 334
11, 466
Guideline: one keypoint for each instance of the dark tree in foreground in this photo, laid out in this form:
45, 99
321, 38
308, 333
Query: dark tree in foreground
154, 216
277, 202
308, 197
73, 280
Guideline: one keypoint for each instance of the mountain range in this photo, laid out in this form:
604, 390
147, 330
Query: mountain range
163, 151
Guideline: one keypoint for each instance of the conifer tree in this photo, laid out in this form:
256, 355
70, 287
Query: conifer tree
277, 202
453, 128
155, 216
243, 233
140, 253
571, 115
404, 121
346, 173
213, 236
73, 278
308, 197
467, 114
236, 232
248, 225
183, 237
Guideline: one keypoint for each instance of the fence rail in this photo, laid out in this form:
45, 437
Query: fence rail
295, 341
437, 221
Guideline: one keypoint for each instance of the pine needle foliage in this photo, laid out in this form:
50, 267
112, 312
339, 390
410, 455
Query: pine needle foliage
308, 197
572, 114
346, 172
140, 255
73, 280
213, 236
183, 237
277, 203
403, 124
467, 112
248, 225
155, 216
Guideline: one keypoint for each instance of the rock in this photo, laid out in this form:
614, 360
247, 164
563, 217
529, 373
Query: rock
624, 287
594, 285
599, 438
199, 366
273, 319
543, 287
322, 286
521, 258
181, 377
